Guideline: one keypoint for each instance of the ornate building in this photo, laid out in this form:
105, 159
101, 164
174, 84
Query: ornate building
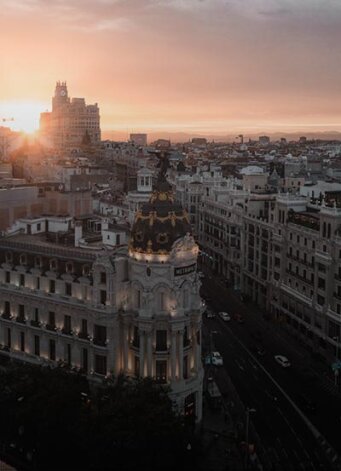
71, 122
67, 298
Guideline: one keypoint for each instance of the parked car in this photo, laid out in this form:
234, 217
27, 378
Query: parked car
282, 360
214, 359
224, 316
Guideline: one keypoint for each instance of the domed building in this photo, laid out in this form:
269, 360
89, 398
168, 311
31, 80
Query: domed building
163, 313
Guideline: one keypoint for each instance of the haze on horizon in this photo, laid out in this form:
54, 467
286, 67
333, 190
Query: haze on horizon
208, 66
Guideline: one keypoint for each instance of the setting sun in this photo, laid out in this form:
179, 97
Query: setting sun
21, 115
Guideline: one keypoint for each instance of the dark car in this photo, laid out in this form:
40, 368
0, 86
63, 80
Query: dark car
306, 404
259, 350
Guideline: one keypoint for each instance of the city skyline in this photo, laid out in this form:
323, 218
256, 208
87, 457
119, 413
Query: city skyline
200, 66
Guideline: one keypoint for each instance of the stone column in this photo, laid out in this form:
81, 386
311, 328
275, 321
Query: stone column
181, 353
149, 355
173, 355
142, 341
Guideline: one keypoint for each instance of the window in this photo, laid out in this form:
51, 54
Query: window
137, 366
22, 341
67, 324
103, 278
321, 283
22, 280
36, 314
118, 239
185, 367
21, 312
84, 327
103, 297
136, 337
52, 319
8, 277
8, 338
37, 345
7, 308
320, 300
52, 348
185, 337
52, 286
101, 364
100, 335
85, 361
161, 340
68, 289
161, 371
68, 354
37, 282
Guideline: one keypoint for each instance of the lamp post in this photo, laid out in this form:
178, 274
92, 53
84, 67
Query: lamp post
249, 410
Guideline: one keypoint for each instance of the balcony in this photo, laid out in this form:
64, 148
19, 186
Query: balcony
7, 315
51, 327
83, 335
99, 342
21, 320
35, 323
67, 331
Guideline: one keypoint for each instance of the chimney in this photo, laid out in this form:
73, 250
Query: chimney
78, 232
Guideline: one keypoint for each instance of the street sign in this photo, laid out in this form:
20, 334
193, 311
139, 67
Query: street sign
336, 366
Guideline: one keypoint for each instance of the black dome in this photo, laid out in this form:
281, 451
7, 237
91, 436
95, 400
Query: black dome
159, 223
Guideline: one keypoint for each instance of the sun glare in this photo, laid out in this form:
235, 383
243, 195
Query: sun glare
21, 115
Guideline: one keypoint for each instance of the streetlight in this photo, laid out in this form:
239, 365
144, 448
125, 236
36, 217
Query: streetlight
249, 410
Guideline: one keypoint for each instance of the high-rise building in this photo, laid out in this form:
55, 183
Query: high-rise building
71, 121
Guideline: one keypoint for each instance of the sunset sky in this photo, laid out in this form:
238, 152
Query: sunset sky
185, 65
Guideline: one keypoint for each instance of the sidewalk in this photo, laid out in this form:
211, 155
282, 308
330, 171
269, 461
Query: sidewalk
218, 437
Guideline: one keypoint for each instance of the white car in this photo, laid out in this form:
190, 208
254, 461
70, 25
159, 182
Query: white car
224, 316
283, 361
214, 358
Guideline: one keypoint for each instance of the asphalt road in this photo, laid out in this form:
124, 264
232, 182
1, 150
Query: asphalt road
272, 390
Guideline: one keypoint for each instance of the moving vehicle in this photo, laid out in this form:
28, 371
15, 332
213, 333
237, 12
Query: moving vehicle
224, 316
282, 360
214, 359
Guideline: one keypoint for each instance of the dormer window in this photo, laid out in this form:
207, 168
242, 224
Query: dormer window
53, 264
9, 257
23, 259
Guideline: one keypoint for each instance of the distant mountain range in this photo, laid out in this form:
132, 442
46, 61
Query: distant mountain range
185, 137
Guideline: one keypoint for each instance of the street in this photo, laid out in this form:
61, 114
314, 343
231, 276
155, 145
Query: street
288, 434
